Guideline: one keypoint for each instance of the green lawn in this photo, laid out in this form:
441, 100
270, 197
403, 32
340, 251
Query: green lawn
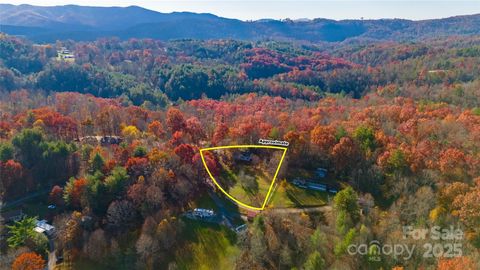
308, 173
208, 246
229, 180
38, 209
256, 198
288, 195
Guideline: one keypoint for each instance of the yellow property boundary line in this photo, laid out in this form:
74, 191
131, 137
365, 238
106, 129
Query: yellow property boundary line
245, 146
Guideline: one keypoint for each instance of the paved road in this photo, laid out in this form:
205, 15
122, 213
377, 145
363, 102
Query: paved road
26, 197
228, 216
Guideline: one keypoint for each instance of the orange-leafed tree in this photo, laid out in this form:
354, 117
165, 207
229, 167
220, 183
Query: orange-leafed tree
467, 207
74, 192
175, 120
156, 128
324, 137
29, 261
345, 154
453, 163
178, 138
464, 263
450, 192
297, 142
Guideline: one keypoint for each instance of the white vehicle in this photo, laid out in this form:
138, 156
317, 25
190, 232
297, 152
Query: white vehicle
241, 228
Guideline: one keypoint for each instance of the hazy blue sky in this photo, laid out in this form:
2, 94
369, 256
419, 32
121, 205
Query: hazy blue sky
279, 9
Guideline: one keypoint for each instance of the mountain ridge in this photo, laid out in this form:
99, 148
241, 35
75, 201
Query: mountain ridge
47, 24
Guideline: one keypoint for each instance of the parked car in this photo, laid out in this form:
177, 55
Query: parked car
241, 228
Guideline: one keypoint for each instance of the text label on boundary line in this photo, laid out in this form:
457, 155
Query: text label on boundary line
273, 142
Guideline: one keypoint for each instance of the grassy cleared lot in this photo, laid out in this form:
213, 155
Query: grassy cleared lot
209, 246
249, 181
247, 175
288, 195
252, 196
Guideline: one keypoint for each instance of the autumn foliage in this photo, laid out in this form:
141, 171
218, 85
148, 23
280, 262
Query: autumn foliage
395, 126
28, 261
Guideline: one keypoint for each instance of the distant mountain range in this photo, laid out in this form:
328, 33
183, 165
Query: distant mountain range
47, 24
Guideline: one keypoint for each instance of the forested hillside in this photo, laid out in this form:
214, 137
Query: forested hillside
395, 125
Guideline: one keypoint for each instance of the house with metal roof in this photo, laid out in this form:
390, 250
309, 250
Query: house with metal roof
41, 226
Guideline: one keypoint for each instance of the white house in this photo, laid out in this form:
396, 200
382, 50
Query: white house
41, 226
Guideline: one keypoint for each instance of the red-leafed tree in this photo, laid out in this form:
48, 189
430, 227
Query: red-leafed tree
177, 138
221, 131
5, 128
195, 129
136, 192
11, 173
137, 166
185, 152
210, 160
